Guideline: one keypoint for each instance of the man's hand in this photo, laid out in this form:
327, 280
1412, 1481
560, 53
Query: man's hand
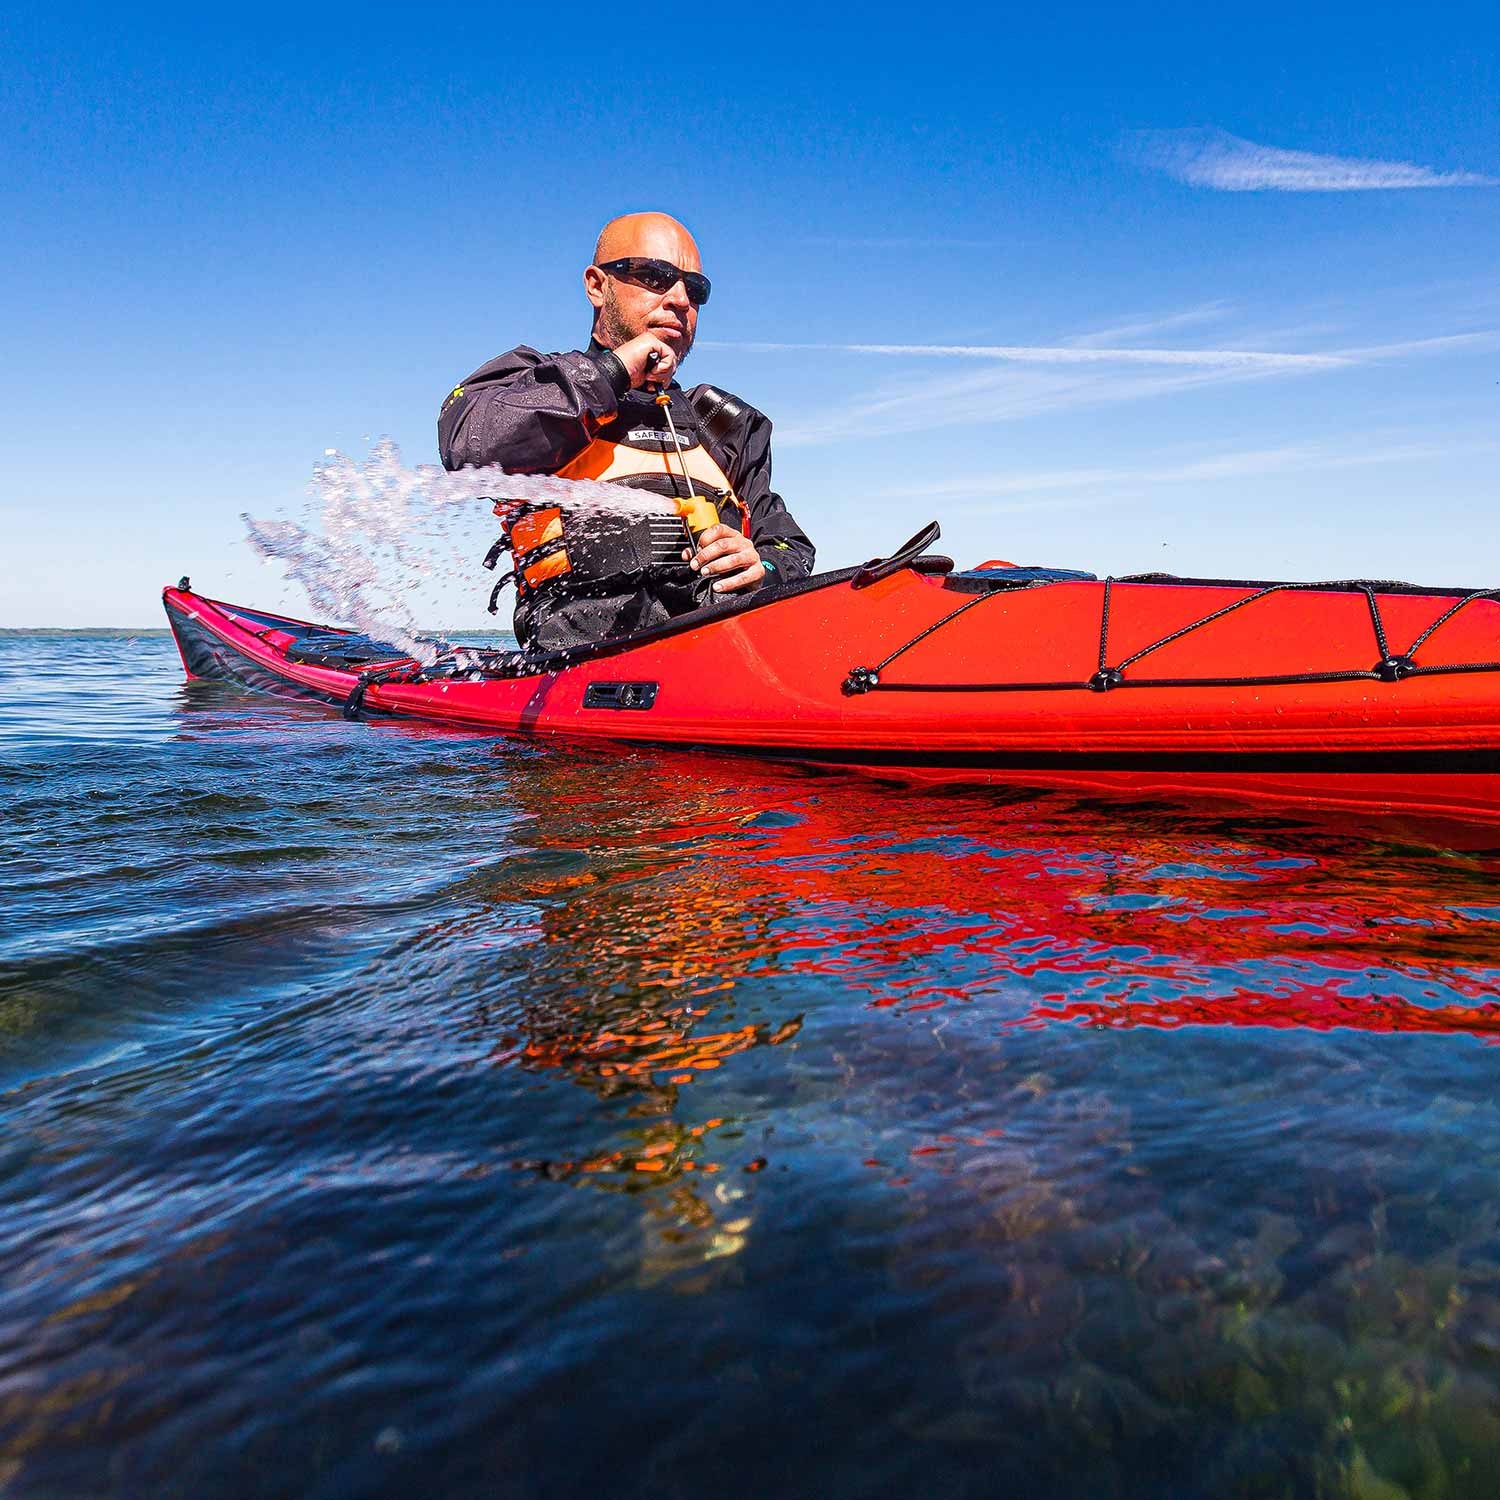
637, 352
728, 557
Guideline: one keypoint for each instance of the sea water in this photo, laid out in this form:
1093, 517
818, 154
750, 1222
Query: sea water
395, 1110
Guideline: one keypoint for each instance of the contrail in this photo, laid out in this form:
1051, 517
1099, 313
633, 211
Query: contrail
1214, 359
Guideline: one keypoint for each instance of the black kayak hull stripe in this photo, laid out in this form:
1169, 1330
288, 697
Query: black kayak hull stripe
1481, 762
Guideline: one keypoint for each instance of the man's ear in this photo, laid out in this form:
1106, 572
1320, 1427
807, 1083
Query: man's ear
593, 285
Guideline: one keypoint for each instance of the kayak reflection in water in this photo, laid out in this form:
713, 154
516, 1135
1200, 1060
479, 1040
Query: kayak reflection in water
614, 411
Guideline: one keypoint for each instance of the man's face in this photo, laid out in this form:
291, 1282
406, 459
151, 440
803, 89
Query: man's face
626, 308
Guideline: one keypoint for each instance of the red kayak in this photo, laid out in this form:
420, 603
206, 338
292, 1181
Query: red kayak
1354, 694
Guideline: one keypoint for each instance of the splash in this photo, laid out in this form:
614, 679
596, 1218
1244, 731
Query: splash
381, 540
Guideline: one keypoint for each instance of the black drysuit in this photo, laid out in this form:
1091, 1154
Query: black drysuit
534, 413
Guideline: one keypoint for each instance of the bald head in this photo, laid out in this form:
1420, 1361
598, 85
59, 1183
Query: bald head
626, 310
657, 236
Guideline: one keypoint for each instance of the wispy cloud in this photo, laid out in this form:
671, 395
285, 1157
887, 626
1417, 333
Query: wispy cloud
1061, 354
1010, 394
1355, 452
1216, 159
1449, 343
1208, 312
1024, 381
1029, 381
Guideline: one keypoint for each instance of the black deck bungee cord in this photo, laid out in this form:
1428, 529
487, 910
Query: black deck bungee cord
1387, 668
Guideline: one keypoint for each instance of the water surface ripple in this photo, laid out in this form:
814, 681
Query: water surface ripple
395, 1110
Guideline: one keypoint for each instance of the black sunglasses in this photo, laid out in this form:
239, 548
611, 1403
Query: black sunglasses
659, 276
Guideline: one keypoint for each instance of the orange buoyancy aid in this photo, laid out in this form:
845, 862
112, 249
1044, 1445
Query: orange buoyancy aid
597, 552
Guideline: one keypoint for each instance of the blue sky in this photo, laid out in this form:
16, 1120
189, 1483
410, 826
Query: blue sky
1108, 287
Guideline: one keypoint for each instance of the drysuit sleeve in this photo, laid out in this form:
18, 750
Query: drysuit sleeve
745, 457
529, 412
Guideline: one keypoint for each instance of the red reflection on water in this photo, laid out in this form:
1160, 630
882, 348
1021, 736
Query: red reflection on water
669, 901
1321, 1008
1162, 920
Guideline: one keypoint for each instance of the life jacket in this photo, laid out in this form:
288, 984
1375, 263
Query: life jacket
591, 552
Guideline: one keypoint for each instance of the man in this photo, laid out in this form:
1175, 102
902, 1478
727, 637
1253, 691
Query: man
596, 414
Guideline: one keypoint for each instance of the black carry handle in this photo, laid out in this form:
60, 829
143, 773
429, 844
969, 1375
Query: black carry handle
903, 557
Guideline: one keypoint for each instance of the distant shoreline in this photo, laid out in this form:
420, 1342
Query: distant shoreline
8, 632
81, 630
143, 632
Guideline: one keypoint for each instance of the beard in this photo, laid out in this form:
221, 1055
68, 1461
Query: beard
613, 328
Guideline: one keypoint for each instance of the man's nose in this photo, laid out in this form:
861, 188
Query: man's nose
676, 295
